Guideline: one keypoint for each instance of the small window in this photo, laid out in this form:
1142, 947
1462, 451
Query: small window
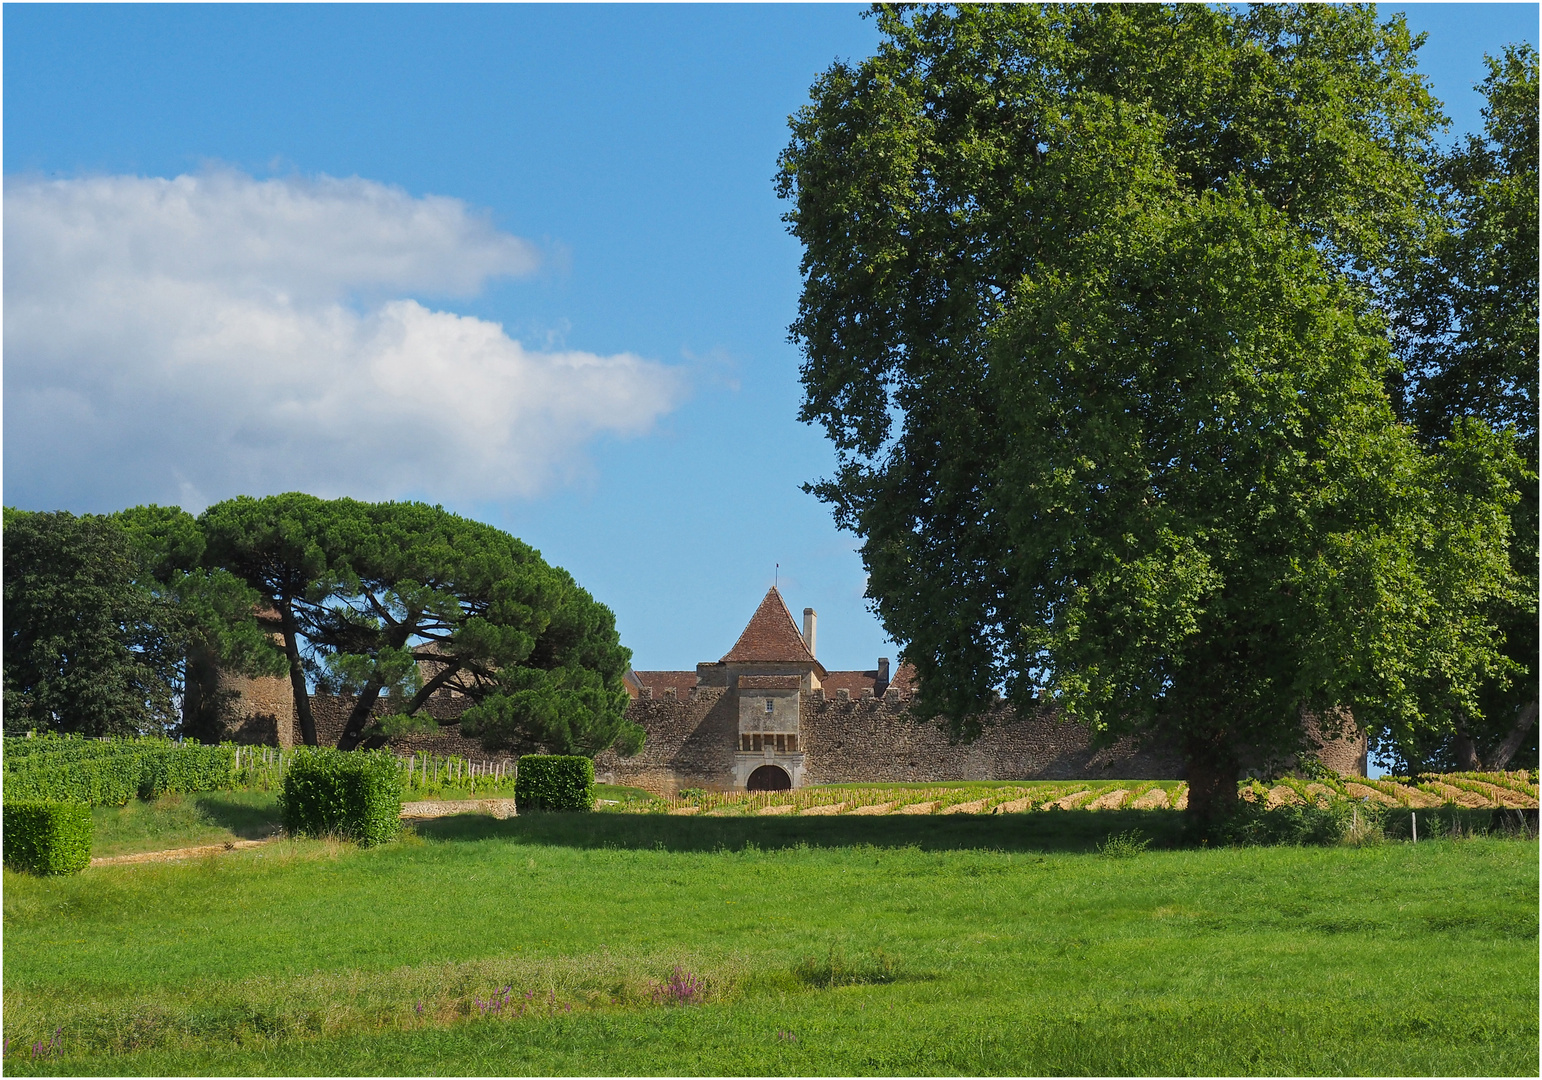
770, 706
755, 739
744, 743
792, 744
781, 744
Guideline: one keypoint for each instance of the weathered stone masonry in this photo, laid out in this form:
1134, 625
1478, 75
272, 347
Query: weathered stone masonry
693, 743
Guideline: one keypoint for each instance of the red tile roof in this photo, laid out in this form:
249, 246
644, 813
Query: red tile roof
771, 637
854, 682
770, 682
902, 678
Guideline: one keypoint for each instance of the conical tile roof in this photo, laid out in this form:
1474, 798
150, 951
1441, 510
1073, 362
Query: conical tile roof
771, 637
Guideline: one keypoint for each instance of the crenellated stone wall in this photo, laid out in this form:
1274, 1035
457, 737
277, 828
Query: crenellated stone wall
692, 743
878, 739
693, 740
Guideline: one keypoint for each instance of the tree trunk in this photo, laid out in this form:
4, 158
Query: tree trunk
1512, 743
201, 697
1212, 775
302, 694
1466, 752
353, 730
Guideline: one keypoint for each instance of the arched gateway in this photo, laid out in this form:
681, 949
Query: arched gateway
769, 778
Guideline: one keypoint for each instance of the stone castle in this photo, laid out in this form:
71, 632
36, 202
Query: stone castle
769, 716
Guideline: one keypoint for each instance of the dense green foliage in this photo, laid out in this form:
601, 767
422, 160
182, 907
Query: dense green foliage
102, 613
371, 598
1471, 313
216, 609
88, 649
47, 837
554, 782
185, 768
89, 772
331, 793
996, 945
108, 619
111, 772
1468, 328
1107, 377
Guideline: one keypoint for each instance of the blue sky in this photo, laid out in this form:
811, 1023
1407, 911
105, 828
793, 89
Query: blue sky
605, 198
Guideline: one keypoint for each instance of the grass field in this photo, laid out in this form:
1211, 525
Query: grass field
183, 821
840, 944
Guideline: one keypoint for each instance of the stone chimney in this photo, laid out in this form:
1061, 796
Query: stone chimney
810, 624
883, 672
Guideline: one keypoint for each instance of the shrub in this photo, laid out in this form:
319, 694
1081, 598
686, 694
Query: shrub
47, 837
554, 782
1312, 823
355, 794
1125, 845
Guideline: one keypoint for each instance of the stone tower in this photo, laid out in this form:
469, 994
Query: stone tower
768, 671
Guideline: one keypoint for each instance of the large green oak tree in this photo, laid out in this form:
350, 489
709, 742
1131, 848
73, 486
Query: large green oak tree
1094, 312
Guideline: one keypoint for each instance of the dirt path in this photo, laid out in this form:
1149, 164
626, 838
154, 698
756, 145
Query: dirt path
175, 854
498, 808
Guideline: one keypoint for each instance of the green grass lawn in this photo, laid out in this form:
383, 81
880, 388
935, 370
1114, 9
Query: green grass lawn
174, 821
828, 945
623, 794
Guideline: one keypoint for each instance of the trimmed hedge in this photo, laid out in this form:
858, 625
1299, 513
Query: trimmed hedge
355, 794
554, 782
47, 837
111, 772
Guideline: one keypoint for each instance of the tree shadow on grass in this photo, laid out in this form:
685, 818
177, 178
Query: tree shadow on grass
1041, 831
247, 819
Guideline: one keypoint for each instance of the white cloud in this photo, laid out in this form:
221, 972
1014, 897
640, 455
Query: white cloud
185, 340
